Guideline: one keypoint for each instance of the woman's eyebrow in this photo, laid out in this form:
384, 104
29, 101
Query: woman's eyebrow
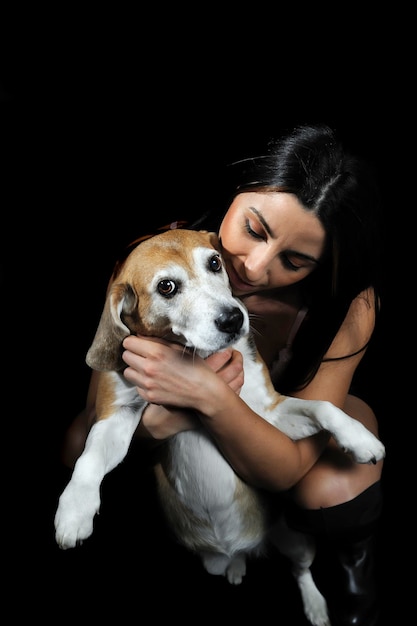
305, 257
262, 220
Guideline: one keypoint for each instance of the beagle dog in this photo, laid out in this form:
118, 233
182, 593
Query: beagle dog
174, 285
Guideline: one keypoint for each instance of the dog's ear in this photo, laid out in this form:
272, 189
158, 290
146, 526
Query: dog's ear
105, 352
214, 240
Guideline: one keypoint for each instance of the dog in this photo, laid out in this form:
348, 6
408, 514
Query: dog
174, 285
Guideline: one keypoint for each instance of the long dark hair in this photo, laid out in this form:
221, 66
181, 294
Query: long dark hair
341, 189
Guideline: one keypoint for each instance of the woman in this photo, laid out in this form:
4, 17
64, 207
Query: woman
299, 240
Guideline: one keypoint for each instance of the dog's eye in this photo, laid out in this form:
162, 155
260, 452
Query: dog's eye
215, 263
167, 288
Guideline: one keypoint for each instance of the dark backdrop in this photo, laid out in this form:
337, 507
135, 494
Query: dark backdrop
92, 156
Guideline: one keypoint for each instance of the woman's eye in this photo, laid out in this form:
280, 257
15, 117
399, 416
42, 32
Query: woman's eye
251, 232
288, 264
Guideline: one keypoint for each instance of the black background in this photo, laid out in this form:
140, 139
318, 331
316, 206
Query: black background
102, 140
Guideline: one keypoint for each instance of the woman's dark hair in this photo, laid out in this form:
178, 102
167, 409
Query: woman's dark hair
342, 191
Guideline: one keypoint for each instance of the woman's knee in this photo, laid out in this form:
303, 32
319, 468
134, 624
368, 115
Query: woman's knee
336, 478
361, 411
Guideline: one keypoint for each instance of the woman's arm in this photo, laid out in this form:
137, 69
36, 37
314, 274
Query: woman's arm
261, 454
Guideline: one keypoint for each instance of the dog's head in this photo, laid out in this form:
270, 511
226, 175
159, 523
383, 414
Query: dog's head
173, 286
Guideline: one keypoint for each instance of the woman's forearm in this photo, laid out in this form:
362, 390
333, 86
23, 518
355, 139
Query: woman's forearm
259, 453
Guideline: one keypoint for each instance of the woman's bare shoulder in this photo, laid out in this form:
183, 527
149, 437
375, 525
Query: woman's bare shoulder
357, 327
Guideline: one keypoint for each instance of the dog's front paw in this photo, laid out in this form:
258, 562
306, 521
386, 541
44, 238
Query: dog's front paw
74, 517
362, 445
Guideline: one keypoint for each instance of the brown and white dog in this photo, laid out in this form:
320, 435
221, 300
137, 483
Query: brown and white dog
174, 285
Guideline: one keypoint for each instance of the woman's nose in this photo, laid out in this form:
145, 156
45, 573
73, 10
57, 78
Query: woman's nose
256, 265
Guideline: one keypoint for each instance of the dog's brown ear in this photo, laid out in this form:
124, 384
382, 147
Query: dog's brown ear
104, 353
214, 240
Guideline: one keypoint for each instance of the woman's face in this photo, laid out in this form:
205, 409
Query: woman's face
269, 240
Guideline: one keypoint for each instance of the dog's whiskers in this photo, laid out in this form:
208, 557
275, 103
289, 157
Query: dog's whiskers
191, 351
254, 331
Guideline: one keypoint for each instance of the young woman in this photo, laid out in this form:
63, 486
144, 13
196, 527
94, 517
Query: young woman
300, 242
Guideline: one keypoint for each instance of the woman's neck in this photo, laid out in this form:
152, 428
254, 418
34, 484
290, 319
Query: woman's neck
272, 317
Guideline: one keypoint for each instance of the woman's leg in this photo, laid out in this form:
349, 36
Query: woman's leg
340, 502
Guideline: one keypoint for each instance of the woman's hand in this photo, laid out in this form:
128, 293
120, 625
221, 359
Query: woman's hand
229, 366
169, 374
159, 422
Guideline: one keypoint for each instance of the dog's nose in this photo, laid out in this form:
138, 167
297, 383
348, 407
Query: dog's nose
230, 321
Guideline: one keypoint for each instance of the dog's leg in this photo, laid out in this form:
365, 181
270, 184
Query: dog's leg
106, 446
300, 549
301, 418
234, 568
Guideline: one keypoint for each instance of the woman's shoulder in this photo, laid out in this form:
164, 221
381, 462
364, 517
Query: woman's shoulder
357, 327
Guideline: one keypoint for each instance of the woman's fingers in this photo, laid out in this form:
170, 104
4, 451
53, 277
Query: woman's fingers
229, 366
